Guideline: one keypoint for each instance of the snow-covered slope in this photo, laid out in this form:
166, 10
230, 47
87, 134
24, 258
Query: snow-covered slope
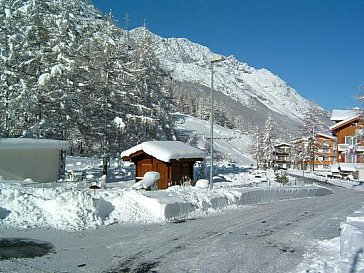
259, 90
230, 145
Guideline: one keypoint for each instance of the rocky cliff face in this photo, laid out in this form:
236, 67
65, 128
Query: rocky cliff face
243, 90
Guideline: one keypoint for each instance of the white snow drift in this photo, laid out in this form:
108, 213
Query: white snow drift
71, 207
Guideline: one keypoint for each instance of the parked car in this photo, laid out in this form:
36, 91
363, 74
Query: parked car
258, 178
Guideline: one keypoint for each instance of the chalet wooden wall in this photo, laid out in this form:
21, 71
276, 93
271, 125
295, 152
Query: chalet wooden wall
170, 172
348, 130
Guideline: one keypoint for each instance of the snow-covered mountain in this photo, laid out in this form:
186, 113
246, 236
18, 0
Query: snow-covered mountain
230, 145
258, 92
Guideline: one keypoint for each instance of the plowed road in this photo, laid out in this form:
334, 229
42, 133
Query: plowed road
270, 237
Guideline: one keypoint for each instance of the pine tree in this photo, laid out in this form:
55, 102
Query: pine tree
152, 104
268, 142
67, 73
311, 125
256, 148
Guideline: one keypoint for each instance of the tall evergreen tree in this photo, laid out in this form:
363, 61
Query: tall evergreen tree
311, 125
149, 117
268, 142
67, 72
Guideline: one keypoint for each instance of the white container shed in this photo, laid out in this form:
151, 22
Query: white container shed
38, 159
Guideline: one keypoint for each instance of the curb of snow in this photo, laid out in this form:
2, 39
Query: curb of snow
352, 242
181, 205
354, 185
68, 208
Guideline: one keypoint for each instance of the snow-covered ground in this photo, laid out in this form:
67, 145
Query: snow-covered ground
340, 254
72, 206
75, 206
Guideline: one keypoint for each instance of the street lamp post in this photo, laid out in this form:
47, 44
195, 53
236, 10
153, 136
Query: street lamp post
216, 59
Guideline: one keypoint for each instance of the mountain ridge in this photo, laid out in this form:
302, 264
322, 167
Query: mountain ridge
256, 89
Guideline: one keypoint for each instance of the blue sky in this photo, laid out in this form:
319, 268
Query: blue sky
316, 46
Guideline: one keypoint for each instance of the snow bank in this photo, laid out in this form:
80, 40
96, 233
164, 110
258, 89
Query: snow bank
148, 180
348, 184
130, 206
68, 207
352, 242
340, 254
322, 257
61, 208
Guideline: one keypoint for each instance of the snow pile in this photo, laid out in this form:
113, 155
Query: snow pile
148, 180
129, 206
340, 254
352, 242
322, 257
202, 184
61, 208
69, 206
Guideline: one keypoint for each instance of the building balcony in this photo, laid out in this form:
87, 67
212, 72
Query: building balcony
282, 152
342, 147
345, 147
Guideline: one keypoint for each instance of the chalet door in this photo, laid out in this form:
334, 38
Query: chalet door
146, 167
163, 171
186, 170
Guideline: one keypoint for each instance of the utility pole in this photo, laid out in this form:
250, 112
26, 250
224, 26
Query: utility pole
214, 60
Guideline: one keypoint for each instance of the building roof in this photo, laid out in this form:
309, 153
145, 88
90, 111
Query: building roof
325, 136
32, 143
340, 115
282, 144
344, 122
165, 150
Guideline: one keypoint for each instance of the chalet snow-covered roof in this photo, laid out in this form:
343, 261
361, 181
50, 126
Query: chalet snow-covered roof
32, 143
165, 150
340, 115
325, 136
282, 144
344, 122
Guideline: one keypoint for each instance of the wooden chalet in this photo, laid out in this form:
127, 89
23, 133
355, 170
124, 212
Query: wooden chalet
350, 146
317, 154
173, 160
348, 130
282, 153
325, 152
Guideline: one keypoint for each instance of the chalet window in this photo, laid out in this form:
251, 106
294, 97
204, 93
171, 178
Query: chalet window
350, 158
360, 158
350, 140
325, 142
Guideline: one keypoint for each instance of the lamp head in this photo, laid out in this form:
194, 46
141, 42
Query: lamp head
217, 58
